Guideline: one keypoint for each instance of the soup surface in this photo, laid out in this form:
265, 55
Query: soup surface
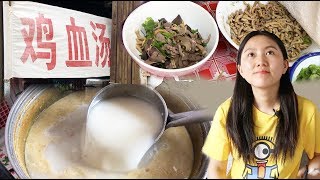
125, 128
55, 141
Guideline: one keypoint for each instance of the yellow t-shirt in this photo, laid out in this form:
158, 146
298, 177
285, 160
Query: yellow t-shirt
218, 146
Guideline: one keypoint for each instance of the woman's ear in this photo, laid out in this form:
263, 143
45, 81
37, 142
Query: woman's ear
285, 66
239, 69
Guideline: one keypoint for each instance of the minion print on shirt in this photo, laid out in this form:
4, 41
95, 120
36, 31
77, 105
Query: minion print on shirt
263, 168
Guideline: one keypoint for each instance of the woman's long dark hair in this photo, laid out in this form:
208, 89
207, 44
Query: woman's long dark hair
240, 123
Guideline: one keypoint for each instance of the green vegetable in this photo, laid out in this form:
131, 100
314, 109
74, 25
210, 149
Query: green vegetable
312, 72
204, 44
167, 35
314, 76
149, 25
306, 40
194, 31
158, 45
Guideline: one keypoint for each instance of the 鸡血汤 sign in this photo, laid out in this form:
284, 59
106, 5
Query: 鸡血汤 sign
43, 41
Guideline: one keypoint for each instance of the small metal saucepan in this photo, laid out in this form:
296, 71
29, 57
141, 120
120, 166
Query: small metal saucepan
154, 98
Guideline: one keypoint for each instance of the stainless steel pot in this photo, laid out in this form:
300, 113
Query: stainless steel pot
36, 98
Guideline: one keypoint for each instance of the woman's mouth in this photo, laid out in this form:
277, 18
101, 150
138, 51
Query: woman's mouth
262, 72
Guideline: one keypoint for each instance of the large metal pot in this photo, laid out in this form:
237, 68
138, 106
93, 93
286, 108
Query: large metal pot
36, 98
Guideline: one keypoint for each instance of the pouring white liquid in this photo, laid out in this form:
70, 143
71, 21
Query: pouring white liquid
119, 131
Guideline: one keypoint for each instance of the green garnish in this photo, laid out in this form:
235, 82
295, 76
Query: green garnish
194, 31
312, 72
149, 25
167, 35
307, 40
158, 45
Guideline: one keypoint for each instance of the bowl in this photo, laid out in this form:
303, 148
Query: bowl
191, 13
304, 62
226, 8
223, 10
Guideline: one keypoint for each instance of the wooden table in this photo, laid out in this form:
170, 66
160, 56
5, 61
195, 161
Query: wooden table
123, 69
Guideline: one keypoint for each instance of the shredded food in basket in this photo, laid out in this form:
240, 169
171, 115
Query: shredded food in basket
170, 45
272, 17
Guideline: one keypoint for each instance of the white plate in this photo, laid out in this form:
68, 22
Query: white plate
304, 62
225, 8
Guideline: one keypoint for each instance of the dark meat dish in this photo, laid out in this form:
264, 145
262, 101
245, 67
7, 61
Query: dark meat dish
170, 45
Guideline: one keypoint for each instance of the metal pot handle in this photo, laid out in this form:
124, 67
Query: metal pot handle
4, 173
184, 118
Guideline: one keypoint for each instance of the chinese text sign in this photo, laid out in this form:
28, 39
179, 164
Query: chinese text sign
43, 41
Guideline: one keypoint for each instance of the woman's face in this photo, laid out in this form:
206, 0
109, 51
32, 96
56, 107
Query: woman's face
262, 63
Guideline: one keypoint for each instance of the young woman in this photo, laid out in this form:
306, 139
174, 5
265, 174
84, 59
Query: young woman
265, 126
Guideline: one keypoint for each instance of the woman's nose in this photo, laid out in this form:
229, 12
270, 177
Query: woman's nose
261, 61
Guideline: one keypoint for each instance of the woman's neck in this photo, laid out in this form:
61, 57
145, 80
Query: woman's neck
266, 100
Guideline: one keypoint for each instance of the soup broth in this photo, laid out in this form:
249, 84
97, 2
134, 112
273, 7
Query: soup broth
118, 133
54, 146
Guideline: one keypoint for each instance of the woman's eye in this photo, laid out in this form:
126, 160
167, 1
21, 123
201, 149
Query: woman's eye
250, 55
270, 53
